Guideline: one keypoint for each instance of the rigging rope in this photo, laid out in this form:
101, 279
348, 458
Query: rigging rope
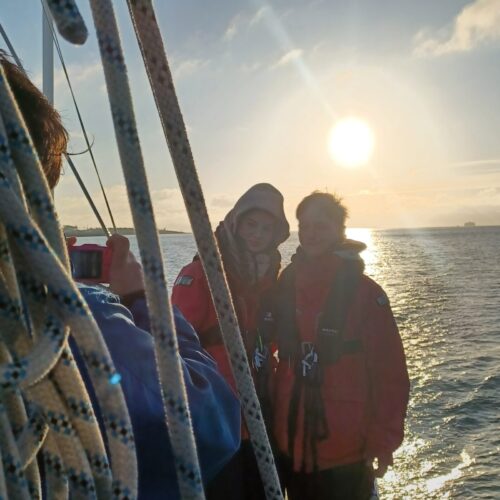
68, 20
162, 325
153, 52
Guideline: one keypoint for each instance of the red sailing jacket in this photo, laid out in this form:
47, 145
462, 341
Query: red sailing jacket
192, 296
364, 393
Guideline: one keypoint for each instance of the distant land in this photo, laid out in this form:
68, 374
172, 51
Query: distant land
97, 231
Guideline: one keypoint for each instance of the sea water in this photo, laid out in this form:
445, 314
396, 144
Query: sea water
444, 288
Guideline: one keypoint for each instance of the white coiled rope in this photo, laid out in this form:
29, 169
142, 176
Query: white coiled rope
153, 51
43, 402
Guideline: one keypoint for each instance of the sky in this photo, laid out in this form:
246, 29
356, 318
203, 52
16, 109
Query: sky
262, 83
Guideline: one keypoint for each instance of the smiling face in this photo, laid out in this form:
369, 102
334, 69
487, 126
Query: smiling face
256, 230
318, 232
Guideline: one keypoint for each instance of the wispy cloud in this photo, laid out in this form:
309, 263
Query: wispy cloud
233, 27
259, 15
489, 161
289, 57
78, 74
250, 67
241, 22
479, 167
476, 24
222, 201
167, 204
188, 67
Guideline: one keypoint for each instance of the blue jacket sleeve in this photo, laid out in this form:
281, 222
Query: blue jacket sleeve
214, 408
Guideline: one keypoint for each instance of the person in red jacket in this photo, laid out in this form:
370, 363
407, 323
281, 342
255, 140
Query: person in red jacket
248, 239
341, 387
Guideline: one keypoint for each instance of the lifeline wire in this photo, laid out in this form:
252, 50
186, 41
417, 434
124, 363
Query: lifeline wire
155, 59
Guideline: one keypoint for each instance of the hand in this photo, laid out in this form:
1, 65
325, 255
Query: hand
382, 465
70, 241
125, 273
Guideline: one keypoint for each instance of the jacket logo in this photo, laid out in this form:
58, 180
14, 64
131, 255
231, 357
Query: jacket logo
184, 281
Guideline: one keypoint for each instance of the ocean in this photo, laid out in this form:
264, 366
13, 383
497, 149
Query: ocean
444, 288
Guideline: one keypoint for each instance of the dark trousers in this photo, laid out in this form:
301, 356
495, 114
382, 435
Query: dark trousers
239, 479
345, 482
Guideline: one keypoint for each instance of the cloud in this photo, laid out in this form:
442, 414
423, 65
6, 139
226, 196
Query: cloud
188, 67
168, 207
476, 24
290, 56
259, 15
78, 73
233, 27
250, 67
222, 201
478, 167
242, 22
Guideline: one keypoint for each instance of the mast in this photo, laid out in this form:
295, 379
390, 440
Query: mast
48, 54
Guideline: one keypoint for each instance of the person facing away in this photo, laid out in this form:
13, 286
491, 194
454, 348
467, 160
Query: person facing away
341, 386
248, 239
122, 316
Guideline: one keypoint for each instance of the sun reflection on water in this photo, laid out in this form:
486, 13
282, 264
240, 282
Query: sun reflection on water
436, 483
365, 235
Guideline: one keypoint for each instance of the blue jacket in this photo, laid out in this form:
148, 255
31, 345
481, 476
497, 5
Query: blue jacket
215, 410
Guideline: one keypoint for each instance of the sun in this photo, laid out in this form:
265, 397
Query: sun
351, 142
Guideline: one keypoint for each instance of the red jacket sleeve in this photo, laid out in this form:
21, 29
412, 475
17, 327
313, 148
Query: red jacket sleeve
388, 376
192, 296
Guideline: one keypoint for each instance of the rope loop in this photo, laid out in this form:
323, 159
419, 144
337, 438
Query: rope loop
68, 20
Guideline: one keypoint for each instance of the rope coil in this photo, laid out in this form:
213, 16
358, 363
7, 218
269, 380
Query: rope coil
41, 390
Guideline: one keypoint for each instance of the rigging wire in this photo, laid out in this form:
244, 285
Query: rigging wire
10, 47
63, 65
71, 164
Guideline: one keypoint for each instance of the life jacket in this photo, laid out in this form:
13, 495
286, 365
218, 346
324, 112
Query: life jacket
259, 347
310, 359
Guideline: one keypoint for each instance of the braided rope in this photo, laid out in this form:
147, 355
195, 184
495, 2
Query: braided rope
17, 484
31, 241
68, 20
151, 44
162, 325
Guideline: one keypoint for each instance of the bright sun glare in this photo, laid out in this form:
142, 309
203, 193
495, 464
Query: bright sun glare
351, 142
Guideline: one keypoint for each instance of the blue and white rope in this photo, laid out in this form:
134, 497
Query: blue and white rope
162, 325
81, 470
153, 51
68, 20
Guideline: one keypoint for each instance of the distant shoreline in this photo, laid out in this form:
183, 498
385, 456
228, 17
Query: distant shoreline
97, 231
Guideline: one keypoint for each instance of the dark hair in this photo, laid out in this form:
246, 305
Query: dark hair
44, 124
331, 204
